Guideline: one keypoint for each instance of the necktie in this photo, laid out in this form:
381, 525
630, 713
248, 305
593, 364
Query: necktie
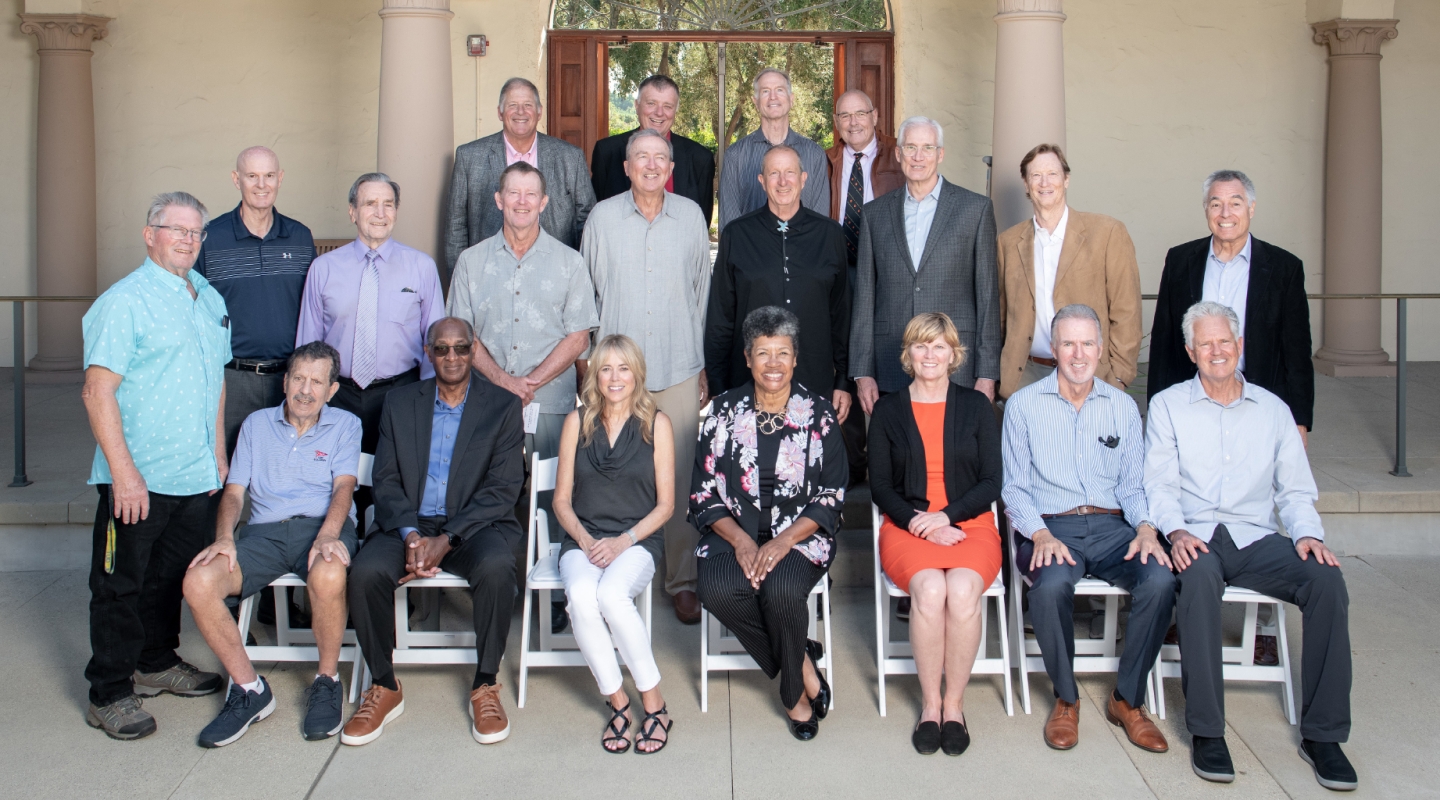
367, 312
854, 198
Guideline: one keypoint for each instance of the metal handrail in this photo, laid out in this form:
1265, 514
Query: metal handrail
1401, 377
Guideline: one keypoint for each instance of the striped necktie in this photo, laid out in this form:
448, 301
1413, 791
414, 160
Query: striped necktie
854, 199
363, 357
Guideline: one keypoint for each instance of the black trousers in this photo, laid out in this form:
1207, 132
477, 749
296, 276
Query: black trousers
770, 622
135, 608
1098, 543
486, 560
1269, 566
245, 393
367, 404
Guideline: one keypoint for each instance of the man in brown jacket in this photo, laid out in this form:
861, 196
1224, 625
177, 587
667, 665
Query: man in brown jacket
1057, 258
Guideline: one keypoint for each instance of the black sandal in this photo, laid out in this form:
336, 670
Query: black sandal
615, 732
647, 731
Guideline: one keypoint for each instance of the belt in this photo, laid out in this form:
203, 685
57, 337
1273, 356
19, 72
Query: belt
1044, 362
413, 371
256, 366
1082, 511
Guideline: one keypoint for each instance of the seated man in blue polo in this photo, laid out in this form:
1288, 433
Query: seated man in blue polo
298, 461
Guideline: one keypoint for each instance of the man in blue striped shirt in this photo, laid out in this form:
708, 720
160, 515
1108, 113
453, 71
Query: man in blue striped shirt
1074, 493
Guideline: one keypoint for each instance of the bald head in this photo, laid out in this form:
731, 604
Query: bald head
779, 157
257, 175
855, 119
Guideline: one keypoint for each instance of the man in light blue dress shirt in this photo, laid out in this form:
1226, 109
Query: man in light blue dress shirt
1073, 457
1223, 456
156, 345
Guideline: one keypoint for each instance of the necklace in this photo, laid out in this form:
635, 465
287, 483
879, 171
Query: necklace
768, 423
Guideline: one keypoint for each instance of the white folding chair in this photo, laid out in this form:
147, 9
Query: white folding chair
542, 576
1091, 655
298, 644
1239, 662
897, 658
721, 651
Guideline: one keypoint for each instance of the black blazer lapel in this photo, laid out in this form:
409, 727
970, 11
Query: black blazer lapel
1257, 300
1195, 275
422, 413
469, 422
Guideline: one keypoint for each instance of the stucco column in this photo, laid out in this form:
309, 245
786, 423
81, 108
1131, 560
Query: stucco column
1029, 96
1353, 197
417, 119
64, 181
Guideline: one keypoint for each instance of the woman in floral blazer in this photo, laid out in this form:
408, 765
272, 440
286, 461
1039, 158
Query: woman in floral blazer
766, 494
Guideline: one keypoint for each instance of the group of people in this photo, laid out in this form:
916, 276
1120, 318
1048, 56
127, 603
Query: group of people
862, 321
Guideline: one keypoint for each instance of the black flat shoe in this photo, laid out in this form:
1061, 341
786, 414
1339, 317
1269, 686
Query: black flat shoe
954, 738
1210, 759
926, 738
1332, 768
804, 730
820, 704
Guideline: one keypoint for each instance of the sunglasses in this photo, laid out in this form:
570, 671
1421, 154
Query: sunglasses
442, 350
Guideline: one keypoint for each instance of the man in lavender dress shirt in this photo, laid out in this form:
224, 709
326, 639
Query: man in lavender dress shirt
372, 300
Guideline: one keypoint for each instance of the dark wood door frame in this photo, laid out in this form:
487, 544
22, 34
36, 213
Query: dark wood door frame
579, 67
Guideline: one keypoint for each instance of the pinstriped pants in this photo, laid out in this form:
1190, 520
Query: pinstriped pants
770, 622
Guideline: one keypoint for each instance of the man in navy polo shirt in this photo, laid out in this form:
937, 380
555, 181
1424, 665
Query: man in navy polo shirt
257, 259
298, 461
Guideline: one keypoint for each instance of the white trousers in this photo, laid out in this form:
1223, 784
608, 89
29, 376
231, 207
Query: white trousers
604, 617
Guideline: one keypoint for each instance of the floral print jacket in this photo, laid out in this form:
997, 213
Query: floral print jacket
811, 472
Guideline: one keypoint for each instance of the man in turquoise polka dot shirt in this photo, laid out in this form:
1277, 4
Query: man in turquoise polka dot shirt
156, 344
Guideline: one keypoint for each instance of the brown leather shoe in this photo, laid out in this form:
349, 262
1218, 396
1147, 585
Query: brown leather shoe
377, 707
687, 607
1138, 727
491, 725
1062, 730
1267, 651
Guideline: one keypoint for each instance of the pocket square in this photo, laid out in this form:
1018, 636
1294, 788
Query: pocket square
407, 289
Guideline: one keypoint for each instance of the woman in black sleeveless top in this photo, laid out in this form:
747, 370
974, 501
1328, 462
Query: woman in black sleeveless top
614, 491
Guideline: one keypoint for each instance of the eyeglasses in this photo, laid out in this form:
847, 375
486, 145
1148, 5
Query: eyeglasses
442, 350
184, 233
858, 115
912, 149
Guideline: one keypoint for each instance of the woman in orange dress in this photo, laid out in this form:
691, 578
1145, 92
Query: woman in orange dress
935, 468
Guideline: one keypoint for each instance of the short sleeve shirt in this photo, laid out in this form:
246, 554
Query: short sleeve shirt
290, 475
170, 352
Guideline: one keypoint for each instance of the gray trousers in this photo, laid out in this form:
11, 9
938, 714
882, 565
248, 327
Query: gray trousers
1269, 566
1098, 543
246, 393
681, 403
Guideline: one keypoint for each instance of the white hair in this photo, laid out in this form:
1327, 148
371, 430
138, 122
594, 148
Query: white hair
168, 199
1226, 176
1204, 310
641, 135
1076, 311
913, 121
755, 84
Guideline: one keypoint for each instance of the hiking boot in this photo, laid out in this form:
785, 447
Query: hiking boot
181, 680
123, 719
242, 708
323, 701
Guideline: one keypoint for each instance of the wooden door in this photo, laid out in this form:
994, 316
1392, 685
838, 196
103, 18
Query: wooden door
579, 89
868, 63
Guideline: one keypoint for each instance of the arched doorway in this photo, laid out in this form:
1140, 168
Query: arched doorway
600, 48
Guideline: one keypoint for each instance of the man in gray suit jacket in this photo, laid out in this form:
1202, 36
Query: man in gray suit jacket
474, 214
927, 246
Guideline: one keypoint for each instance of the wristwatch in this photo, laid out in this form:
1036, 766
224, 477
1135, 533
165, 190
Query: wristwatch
455, 540
631, 533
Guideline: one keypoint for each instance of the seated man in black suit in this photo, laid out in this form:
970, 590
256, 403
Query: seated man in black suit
448, 471
694, 173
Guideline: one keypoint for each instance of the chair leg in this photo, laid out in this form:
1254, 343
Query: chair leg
704, 660
1005, 653
829, 643
1285, 662
525, 645
882, 609
1021, 654
357, 669
647, 610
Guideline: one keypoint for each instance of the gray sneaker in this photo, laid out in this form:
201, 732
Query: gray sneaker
123, 719
181, 680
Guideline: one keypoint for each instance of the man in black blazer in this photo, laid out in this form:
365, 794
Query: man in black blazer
448, 471
694, 173
1264, 284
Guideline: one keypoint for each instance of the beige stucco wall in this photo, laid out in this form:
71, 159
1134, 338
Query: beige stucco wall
1159, 92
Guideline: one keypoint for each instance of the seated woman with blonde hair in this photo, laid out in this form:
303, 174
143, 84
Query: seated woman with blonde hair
935, 468
614, 490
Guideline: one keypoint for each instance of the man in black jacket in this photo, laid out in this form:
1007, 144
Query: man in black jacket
448, 472
1264, 284
694, 174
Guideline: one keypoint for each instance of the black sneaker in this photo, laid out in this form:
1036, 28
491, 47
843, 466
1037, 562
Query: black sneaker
241, 709
1210, 759
1332, 768
323, 701
559, 618
181, 680
123, 719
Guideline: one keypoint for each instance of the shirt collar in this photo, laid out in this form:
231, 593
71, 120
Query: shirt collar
1059, 234
1197, 391
933, 193
277, 226
386, 249
664, 205
170, 280
323, 421
540, 245
1243, 255
1050, 384
511, 153
441, 405
869, 151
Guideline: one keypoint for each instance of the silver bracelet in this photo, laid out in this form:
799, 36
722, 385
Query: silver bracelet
631, 534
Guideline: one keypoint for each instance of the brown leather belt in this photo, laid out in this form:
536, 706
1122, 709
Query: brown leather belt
1044, 362
1081, 511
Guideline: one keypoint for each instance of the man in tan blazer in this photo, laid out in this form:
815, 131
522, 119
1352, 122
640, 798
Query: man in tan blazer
1057, 258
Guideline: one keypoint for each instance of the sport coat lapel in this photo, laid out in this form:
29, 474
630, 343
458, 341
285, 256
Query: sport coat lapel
901, 238
945, 208
469, 421
1196, 276
1070, 248
1026, 254
1257, 294
422, 404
